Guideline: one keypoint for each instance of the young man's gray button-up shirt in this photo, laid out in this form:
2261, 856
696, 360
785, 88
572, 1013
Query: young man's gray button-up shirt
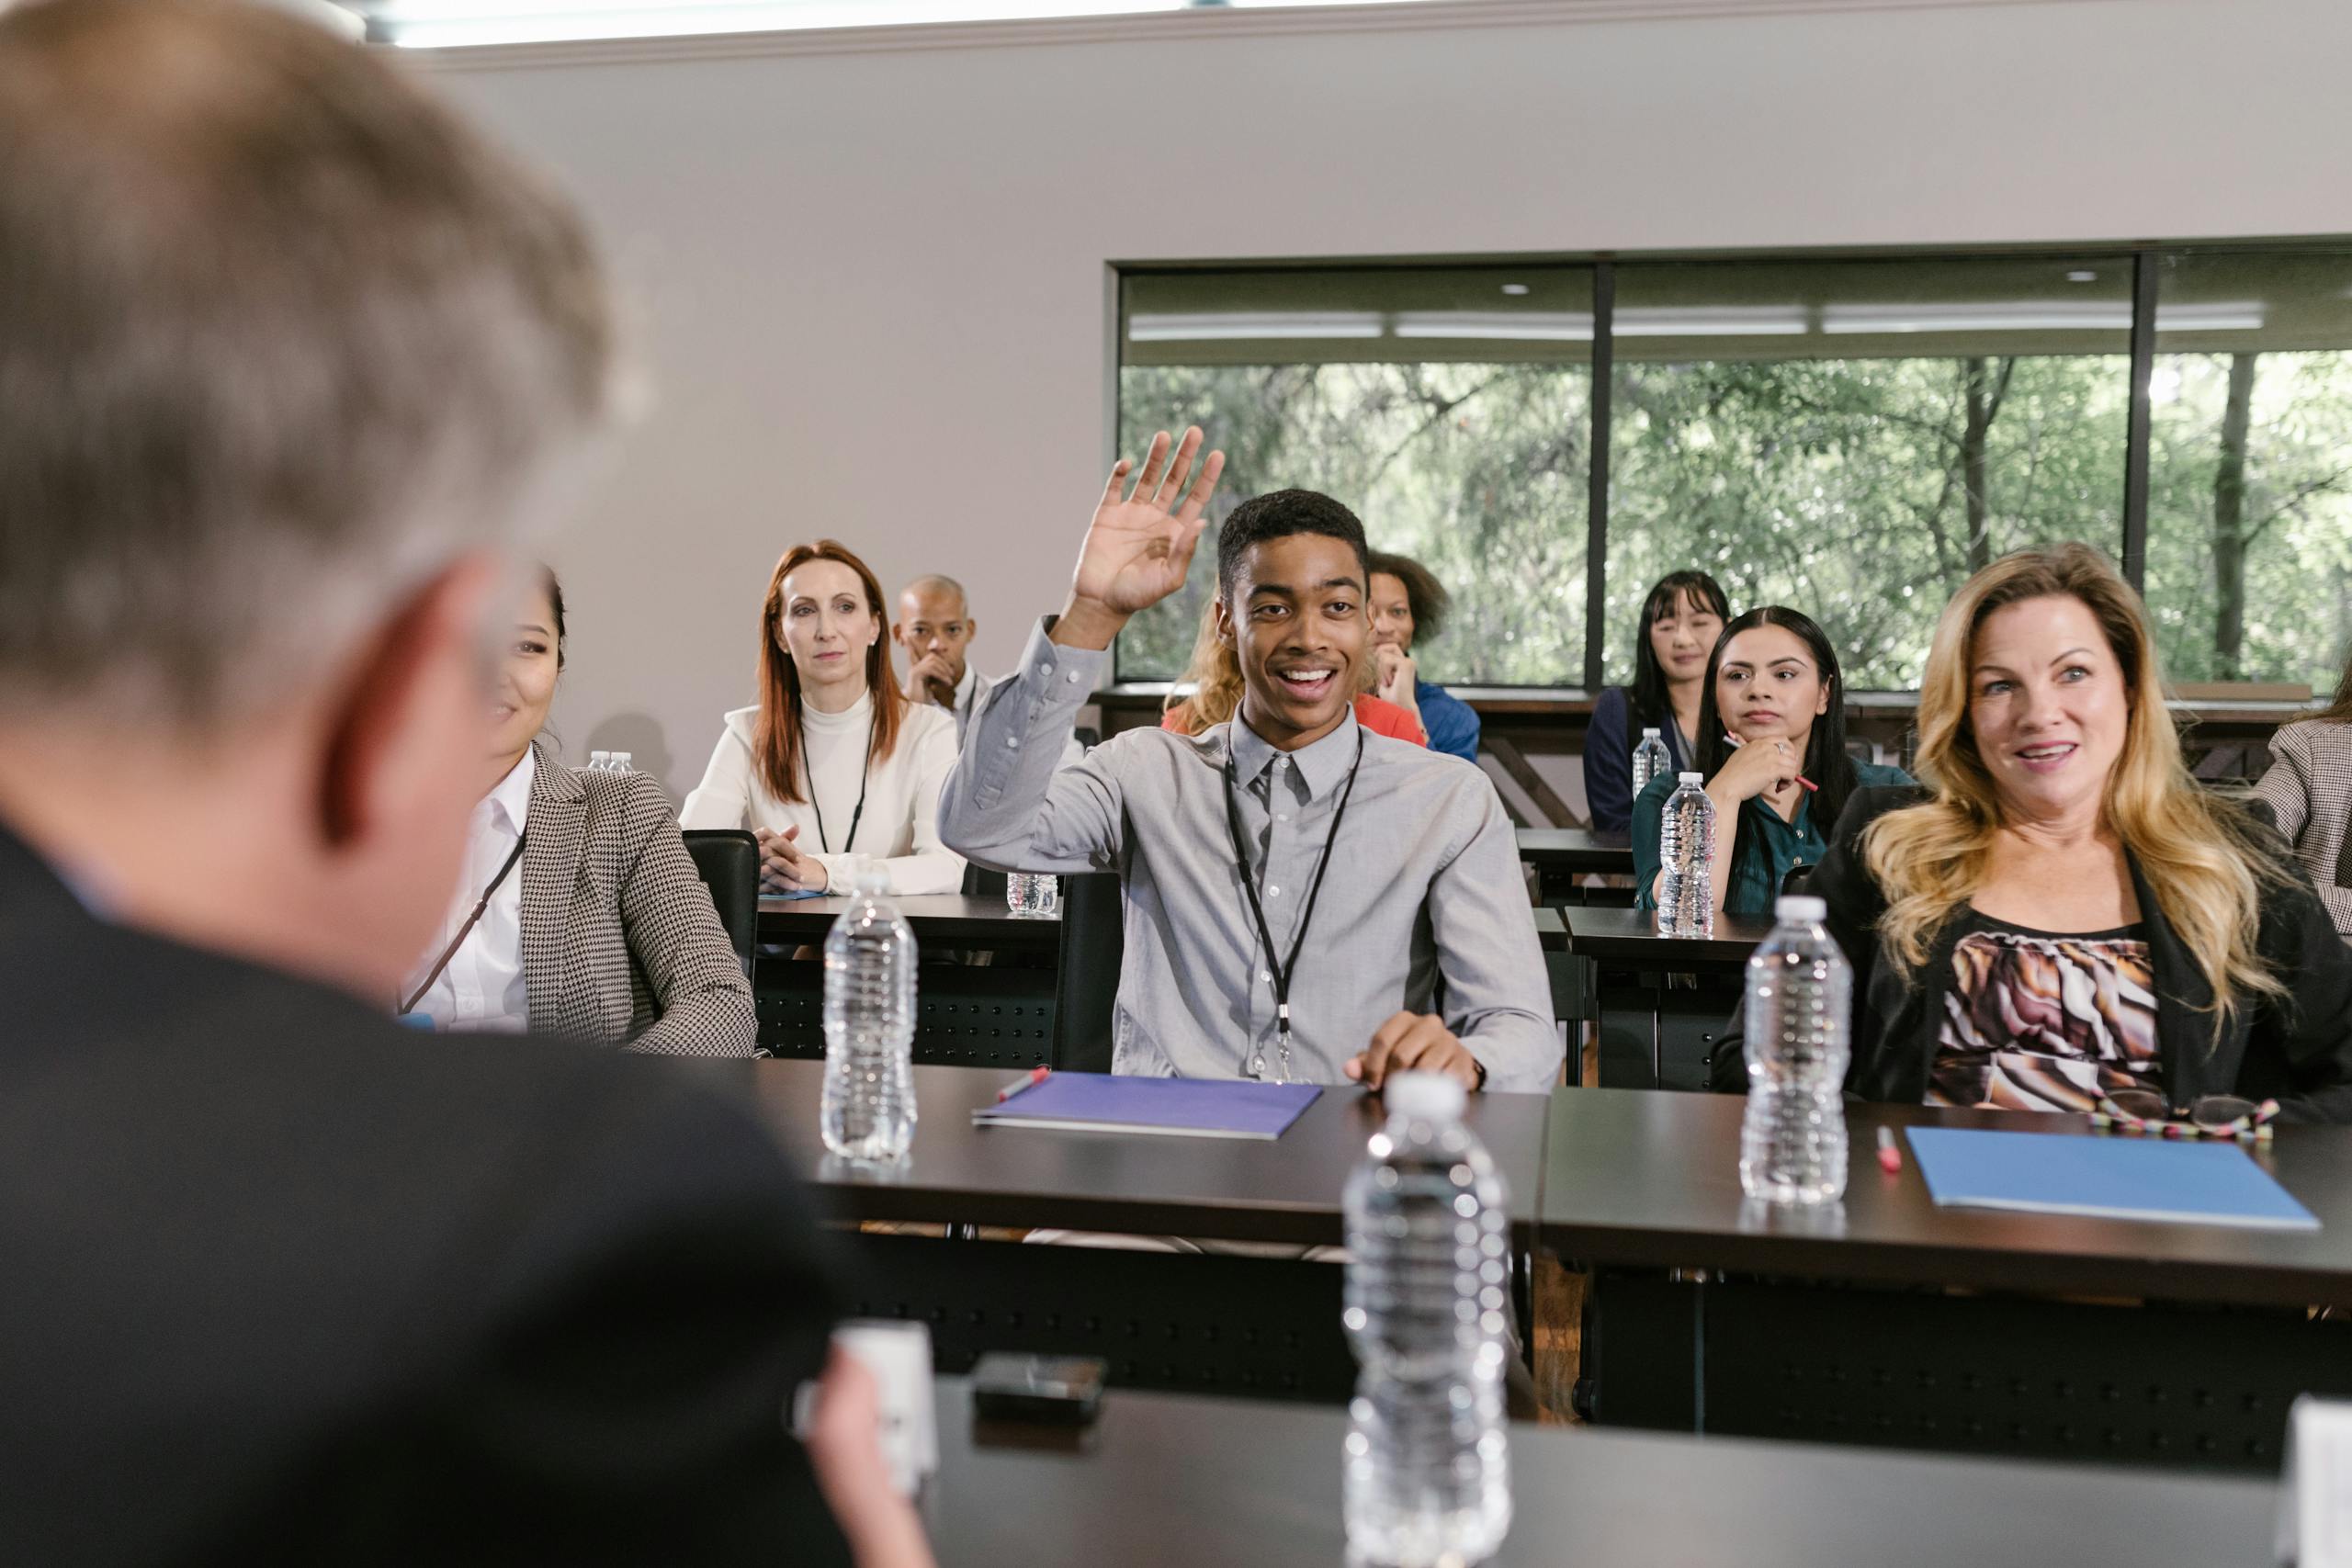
1424, 881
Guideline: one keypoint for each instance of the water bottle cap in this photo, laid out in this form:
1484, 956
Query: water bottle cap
1691, 778
1801, 910
1649, 734
1423, 1096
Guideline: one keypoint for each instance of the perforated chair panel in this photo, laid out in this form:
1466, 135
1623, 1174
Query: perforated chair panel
2147, 1384
1251, 1327
964, 1017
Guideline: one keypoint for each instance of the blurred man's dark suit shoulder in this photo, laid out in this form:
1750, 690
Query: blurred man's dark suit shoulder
285, 1282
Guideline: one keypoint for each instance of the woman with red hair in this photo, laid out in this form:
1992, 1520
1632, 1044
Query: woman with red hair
833, 769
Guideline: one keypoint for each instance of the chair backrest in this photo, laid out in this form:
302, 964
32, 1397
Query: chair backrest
981, 883
1086, 988
1793, 880
728, 860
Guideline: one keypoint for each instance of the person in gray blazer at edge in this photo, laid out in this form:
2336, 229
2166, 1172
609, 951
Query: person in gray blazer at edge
288, 357
2308, 790
579, 912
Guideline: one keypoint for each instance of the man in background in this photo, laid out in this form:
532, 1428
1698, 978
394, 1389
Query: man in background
936, 627
285, 354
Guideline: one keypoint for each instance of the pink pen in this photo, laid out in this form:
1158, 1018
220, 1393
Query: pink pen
1029, 1079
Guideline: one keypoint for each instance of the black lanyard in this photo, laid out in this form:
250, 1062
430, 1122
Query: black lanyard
1282, 969
864, 773
481, 906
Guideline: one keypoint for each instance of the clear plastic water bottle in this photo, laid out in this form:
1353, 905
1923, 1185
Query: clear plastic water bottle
1650, 758
1686, 848
1427, 1459
620, 761
867, 1111
600, 761
1799, 1018
1031, 897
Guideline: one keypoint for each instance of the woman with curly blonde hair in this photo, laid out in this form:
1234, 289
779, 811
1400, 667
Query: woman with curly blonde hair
2063, 913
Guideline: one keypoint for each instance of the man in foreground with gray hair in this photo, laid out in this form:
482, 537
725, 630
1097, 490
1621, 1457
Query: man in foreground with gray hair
283, 352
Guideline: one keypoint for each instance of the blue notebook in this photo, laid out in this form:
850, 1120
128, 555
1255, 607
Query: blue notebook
1202, 1108
2106, 1177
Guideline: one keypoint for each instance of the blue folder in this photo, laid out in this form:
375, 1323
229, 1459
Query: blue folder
2119, 1178
1204, 1107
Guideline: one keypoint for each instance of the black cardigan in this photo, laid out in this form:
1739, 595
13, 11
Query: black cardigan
2296, 1049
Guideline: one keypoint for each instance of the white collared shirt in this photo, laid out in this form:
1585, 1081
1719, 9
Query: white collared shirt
481, 988
967, 693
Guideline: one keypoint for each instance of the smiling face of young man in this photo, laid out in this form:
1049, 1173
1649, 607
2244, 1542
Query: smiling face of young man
1294, 616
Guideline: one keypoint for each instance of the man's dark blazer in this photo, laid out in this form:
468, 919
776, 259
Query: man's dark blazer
282, 1282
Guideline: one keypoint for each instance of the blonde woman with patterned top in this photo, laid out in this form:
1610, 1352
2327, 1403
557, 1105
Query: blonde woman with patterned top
2061, 915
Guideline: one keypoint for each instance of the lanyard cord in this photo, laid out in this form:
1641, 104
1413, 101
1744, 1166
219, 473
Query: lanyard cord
1281, 969
865, 772
481, 906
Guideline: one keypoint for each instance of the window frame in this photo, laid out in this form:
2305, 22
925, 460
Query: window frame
2147, 260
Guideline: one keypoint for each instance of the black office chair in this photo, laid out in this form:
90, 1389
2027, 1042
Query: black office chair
981, 883
728, 860
1793, 882
1086, 987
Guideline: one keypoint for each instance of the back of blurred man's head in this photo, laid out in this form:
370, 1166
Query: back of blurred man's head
283, 345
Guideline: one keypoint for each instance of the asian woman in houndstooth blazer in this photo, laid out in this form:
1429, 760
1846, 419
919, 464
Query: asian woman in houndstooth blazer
2309, 791
581, 914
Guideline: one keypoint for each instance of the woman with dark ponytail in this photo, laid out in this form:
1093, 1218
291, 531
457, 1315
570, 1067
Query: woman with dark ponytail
1772, 746
1680, 619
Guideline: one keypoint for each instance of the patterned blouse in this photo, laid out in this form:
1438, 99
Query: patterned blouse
2037, 1022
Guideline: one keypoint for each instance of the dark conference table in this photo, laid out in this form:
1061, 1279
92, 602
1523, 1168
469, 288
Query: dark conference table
1183, 1320
1562, 855
940, 919
1660, 1002
965, 920
1890, 1320
1181, 1479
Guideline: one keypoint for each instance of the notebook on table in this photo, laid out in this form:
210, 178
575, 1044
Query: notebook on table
1200, 1108
2114, 1178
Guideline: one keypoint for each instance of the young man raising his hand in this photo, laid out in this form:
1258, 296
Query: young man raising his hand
1304, 900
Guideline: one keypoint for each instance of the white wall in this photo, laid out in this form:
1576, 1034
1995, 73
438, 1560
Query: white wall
870, 285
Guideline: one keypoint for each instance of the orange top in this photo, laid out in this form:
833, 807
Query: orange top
1380, 717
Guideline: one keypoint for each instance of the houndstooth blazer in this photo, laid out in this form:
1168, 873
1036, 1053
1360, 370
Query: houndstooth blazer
621, 943
2309, 791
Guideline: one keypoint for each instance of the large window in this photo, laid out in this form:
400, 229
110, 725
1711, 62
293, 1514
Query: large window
1849, 435
1450, 409
1853, 439
2250, 466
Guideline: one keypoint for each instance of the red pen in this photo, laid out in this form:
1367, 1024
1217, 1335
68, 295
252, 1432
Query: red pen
1033, 1076
1890, 1155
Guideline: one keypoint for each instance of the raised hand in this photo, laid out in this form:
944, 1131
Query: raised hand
1139, 546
